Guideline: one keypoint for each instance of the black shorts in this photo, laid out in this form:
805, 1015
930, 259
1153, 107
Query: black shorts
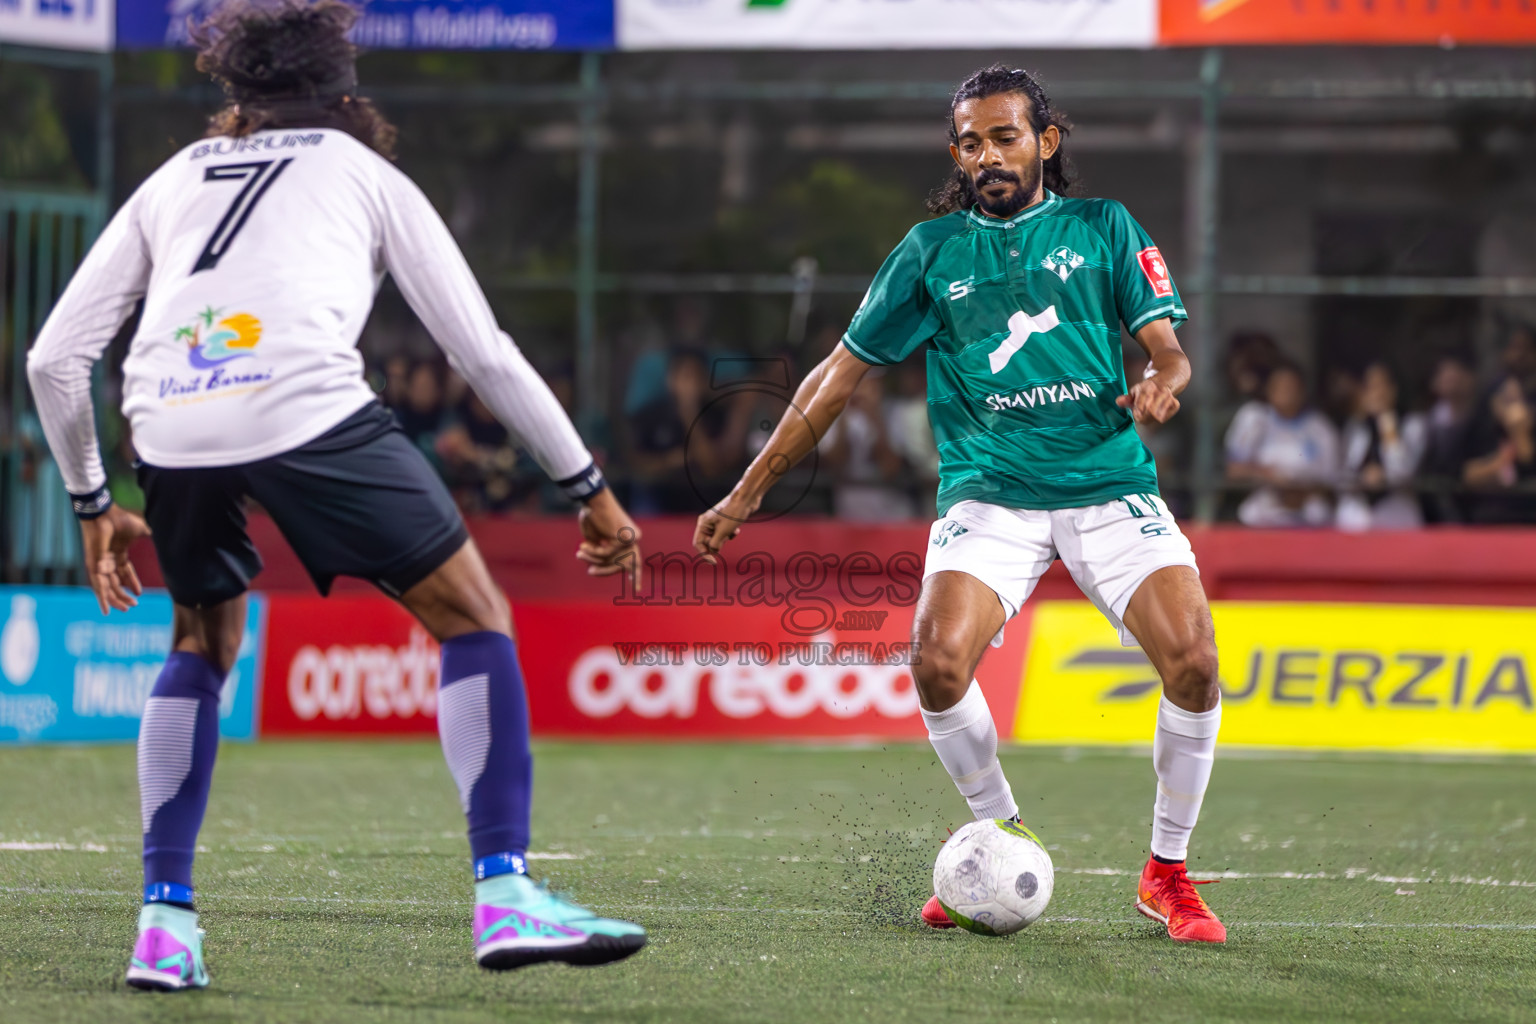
359, 500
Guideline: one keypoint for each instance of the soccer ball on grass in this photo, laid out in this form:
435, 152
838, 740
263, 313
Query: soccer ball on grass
993, 877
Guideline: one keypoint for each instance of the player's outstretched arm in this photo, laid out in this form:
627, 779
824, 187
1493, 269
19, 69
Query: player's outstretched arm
110, 279
818, 402
1154, 398
104, 541
610, 539
439, 286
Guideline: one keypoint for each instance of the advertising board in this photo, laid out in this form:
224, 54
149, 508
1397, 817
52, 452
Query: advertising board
1339, 676
1403, 22
407, 24
69, 674
884, 24
60, 24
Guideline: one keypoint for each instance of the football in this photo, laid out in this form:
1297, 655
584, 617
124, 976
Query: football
993, 877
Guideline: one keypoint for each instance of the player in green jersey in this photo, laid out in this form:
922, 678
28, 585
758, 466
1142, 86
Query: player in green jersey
1019, 293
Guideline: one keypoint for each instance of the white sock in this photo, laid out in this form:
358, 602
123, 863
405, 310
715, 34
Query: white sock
965, 738
1182, 752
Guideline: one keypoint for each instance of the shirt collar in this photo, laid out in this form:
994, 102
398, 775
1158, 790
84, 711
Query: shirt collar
1050, 202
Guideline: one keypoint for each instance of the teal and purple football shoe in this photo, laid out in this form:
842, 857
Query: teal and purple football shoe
169, 954
519, 922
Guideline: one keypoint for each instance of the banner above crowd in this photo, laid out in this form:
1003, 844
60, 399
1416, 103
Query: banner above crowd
811, 24
59, 24
1405, 22
884, 24
406, 24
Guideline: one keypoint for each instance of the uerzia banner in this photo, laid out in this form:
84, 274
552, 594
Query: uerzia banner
1402, 22
1340, 676
883, 24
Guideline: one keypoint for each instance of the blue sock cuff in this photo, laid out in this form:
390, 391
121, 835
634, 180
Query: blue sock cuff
167, 892
471, 641
495, 864
188, 675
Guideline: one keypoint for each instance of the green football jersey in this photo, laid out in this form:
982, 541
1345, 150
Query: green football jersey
1024, 316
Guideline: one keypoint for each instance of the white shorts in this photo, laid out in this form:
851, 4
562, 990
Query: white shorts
1109, 549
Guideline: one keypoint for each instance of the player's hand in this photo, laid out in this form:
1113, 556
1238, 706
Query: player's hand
105, 541
1149, 401
610, 539
720, 524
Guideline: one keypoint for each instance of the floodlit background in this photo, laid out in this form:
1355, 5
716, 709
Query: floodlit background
675, 207
1337, 207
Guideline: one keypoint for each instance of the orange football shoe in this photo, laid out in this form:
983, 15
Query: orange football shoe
934, 916
1167, 896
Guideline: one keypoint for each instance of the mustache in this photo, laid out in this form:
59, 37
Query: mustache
992, 175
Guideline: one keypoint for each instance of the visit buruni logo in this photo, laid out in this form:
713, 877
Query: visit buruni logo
214, 339
1061, 261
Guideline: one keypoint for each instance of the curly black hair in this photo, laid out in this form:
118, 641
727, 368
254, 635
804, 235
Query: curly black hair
287, 64
1058, 174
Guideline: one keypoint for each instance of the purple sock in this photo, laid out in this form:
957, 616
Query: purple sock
178, 741
482, 717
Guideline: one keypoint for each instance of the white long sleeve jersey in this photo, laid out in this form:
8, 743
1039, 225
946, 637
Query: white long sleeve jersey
258, 259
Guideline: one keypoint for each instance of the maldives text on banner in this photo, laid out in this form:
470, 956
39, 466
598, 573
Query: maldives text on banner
71, 674
1403, 22
60, 24
407, 24
884, 24
1340, 676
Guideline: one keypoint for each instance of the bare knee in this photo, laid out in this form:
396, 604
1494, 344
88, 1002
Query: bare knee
942, 668
213, 634
1191, 676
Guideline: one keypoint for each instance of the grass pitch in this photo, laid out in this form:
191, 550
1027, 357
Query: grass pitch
779, 884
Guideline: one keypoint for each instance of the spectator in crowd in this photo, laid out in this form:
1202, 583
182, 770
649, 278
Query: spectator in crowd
911, 435
1289, 451
1453, 388
479, 460
1502, 462
1383, 447
683, 441
1251, 355
866, 470
397, 380
421, 412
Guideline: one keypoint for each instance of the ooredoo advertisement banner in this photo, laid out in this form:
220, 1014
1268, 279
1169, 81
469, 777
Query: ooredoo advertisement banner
347, 665
69, 674
884, 24
362, 666
1346, 677
1403, 22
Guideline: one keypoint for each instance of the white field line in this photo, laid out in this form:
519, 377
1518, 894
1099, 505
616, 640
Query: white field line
1347, 875
641, 908
23, 846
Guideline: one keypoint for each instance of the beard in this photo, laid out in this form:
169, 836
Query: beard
1012, 202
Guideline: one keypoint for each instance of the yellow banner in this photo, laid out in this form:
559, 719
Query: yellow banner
1343, 676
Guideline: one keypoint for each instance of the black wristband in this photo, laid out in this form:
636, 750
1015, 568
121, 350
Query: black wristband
89, 506
584, 485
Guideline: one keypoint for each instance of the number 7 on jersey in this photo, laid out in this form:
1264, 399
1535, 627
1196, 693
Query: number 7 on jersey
258, 176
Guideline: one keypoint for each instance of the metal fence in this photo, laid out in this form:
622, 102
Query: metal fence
1228, 100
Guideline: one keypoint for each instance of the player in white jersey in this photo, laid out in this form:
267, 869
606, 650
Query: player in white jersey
257, 252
